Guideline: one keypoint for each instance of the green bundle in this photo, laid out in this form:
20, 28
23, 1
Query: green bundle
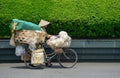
24, 25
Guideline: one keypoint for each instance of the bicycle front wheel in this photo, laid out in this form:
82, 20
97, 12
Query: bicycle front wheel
68, 58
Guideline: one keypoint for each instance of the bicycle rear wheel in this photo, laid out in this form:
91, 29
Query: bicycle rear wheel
68, 58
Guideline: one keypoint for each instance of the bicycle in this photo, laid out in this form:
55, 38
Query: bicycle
67, 58
33, 36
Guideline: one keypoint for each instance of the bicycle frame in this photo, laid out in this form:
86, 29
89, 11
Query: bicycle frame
64, 58
50, 55
53, 54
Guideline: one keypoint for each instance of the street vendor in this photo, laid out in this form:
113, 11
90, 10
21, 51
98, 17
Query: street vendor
43, 24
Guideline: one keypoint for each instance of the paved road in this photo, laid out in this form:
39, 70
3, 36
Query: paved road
81, 70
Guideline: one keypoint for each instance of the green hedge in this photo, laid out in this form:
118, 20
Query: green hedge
80, 18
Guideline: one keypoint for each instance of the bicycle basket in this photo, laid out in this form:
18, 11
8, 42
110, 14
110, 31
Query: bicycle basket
58, 50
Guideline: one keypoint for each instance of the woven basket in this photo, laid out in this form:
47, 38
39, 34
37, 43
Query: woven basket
26, 57
28, 36
37, 57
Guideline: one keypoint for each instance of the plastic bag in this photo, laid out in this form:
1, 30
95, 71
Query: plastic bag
61, 40
12, 41
32, 46
67, 42
19, 51
55, 41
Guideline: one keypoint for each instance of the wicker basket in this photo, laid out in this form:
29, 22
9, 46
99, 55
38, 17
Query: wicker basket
28, 36
37, 57
26, 57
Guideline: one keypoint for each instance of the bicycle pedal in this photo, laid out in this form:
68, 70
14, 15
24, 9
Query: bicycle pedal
48, 64
31, 65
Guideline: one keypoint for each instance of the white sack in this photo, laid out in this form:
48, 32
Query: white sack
19, 50
12, 41
61, 40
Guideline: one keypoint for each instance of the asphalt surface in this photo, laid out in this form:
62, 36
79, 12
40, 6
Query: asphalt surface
81, 70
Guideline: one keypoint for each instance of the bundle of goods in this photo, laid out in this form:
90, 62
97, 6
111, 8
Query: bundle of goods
24, 25
59, 41
29, 37
24, 32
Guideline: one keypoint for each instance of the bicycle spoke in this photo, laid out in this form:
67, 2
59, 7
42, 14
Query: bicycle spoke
68, 58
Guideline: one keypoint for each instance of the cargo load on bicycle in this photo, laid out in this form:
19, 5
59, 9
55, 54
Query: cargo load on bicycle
62, 40
28, 33
29, 39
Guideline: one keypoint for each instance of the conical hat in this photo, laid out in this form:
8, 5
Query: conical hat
43, 23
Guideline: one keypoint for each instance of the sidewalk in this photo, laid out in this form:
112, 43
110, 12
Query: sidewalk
81, 70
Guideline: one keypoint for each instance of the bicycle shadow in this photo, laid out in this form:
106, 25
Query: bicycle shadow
55, 67
45, 67
19, 67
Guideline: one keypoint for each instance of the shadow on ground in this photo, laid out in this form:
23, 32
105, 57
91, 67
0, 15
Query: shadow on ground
24, 67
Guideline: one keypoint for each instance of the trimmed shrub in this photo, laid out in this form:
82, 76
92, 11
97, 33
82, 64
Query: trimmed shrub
80, 18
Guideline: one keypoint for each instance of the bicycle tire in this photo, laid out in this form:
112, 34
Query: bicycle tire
68, 58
